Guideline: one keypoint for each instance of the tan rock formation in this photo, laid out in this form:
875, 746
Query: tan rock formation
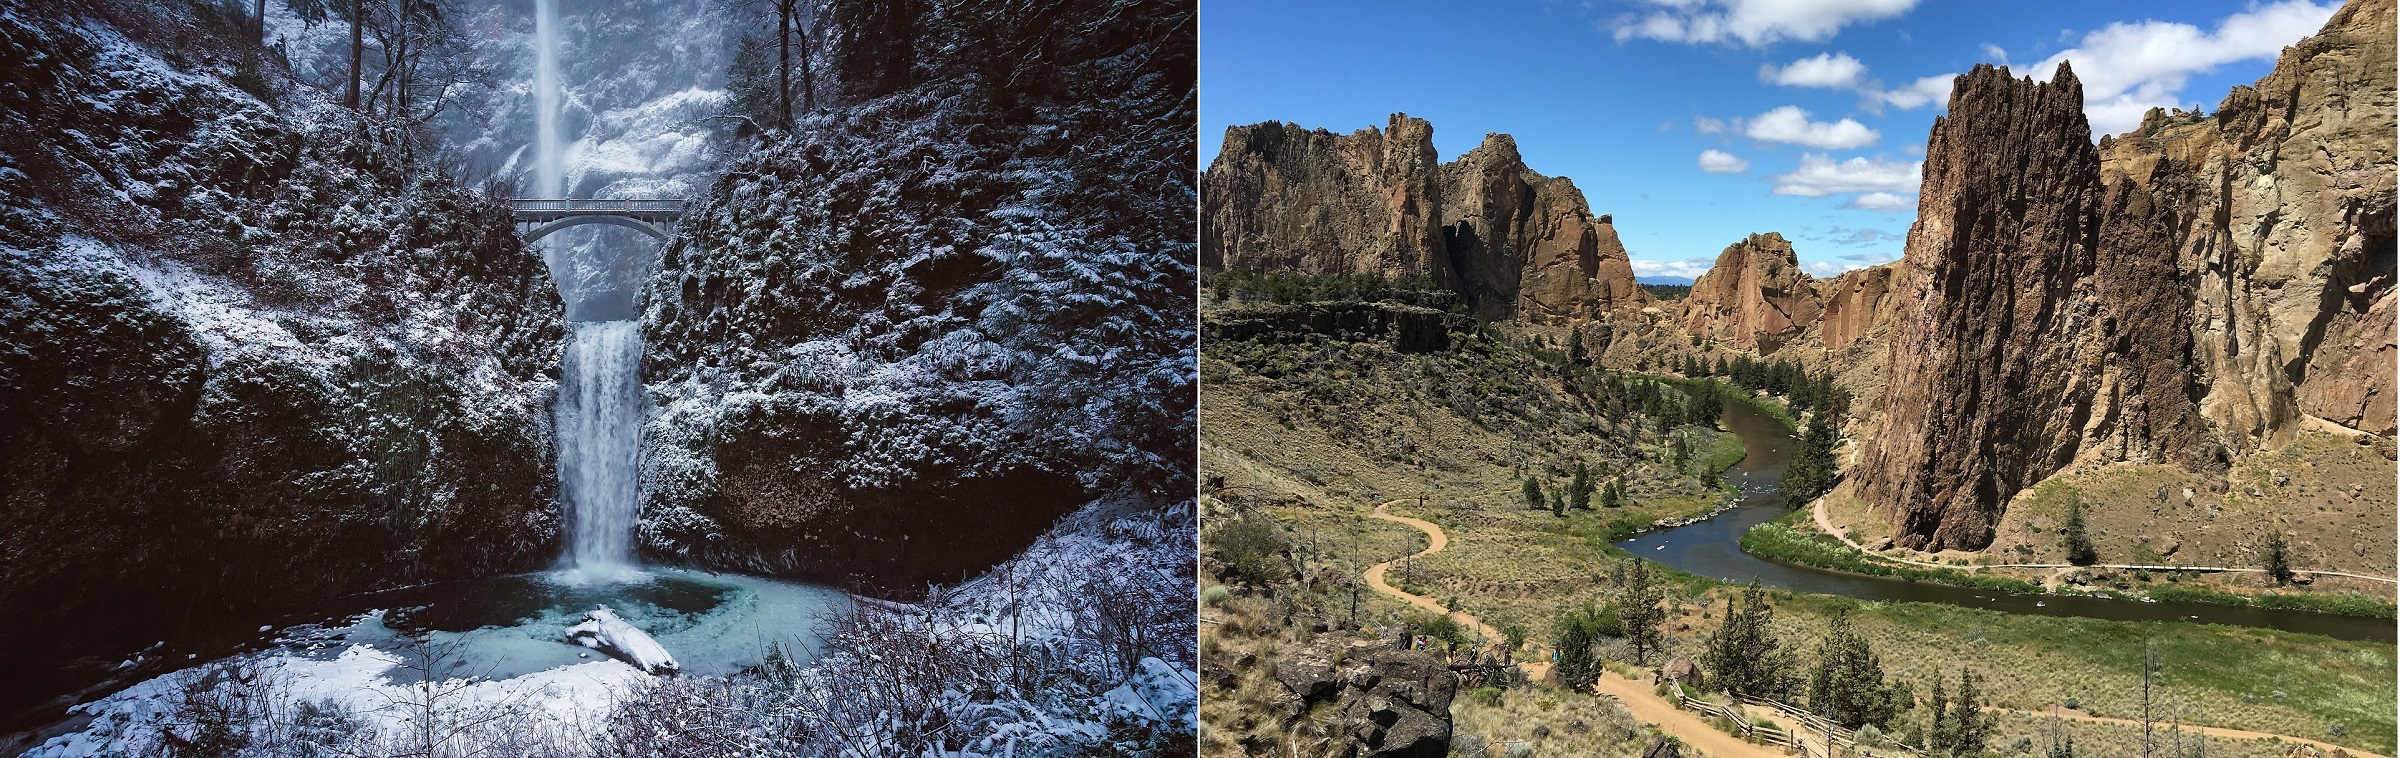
1285, 199
1513, 243
1855, 303
1755, 297
2180, 294
2289, 234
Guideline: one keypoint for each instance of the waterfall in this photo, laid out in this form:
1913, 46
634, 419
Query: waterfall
549, 169
599, 421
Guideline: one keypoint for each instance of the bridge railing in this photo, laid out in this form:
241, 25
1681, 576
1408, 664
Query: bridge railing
596, 205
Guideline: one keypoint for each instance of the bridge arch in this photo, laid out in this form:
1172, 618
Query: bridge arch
581, 220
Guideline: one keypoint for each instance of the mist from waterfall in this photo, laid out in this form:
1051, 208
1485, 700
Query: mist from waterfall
549, 160
599, 422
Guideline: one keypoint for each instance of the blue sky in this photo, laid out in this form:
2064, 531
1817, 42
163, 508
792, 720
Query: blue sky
1697, 122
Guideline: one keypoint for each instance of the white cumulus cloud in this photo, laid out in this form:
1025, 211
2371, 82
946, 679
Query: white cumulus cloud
1827, 70
1689, 268
1721, 162
2129, 68
1756, 23
1881, 201
1819, 175
1931, 90
1790, 124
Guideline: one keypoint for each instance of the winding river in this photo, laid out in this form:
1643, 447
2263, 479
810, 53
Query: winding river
1711, 548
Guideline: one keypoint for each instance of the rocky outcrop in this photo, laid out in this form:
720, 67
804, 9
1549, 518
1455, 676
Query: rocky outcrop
2009, 354
935, 350
1285, 199
2184, 293
1408, 328
1513, 243
1755, 297
247, 360
1525, 245
2287, 232
1856, 303
1368, 699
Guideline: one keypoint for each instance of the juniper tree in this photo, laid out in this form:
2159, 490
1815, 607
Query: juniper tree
1811, 472
1639, 611
1743, 655
2278, 554
1846, 685
2074, 539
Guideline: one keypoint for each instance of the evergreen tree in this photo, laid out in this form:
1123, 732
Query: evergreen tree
1970, 727
1533, 494
2074, 539
1639, 611
1558, 502
1811, 473
1579, 489
1960, 727
1708, 404
1682, 453
1575, 349
2279, 558
1847, 683
1574, 634
1743, 655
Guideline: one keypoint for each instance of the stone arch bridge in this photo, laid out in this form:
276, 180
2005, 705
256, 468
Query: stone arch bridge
538, 218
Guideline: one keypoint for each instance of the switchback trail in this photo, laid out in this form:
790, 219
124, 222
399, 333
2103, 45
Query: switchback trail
1436, 542
1637, 698
1647, 707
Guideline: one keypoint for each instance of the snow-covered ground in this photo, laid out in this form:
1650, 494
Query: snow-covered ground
1080, 643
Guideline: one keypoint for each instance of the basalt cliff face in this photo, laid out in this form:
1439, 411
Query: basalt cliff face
1855, 305
2287, 243
1307, 201
1511, 242
1755, 297
2185, 294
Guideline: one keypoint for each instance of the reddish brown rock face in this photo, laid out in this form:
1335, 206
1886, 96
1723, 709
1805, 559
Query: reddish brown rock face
2287, 239
1855, 303
1511, 242
1285, 199
1755, 297
2003, 237
2195, 283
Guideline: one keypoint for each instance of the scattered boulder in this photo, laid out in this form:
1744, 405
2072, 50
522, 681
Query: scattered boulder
605, 631
1662, 747
1385, 701
1470, 745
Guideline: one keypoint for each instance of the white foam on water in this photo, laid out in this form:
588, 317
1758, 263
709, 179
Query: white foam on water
599, 422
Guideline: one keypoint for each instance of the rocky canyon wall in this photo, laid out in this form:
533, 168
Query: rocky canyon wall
1755, 297
2186, 293
1513, 243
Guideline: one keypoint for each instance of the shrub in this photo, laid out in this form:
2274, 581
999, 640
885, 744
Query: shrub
1490, 697
1251, 549
1214, 596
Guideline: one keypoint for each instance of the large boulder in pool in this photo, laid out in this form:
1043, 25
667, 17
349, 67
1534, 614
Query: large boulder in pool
605, 631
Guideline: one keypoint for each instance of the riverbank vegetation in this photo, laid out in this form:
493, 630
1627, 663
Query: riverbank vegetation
1791, 539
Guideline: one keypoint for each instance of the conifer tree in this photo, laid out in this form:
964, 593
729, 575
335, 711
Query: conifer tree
1743, 655
1847, 684
1639, 611
2074, 539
